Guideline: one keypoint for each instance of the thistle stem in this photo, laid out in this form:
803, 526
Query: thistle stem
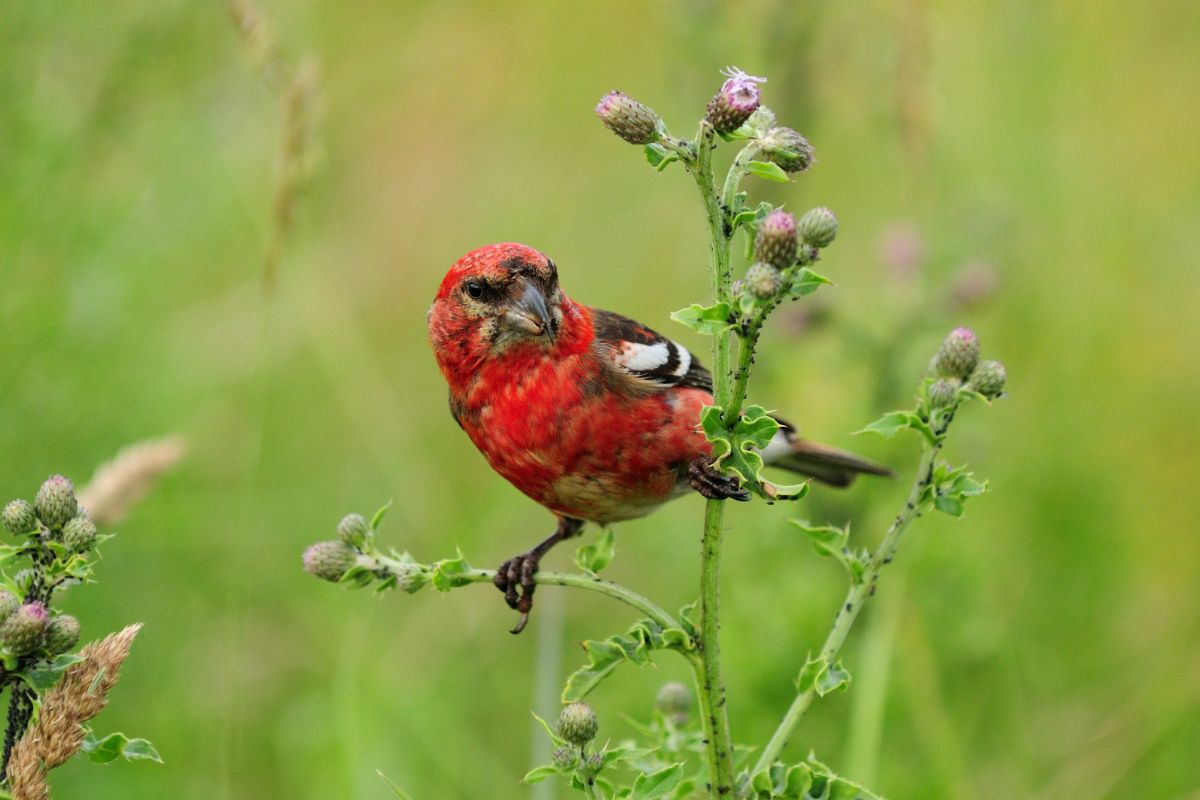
860, 591
710, 684
592, 583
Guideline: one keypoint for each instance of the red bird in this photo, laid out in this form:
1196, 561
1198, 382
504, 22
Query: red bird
591, 414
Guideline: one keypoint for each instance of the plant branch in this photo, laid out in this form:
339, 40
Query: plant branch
591, 583
860, 591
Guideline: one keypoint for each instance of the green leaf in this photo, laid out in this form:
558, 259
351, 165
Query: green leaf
708, 320
828, 785
806, 282
377, 517
656, 785
768, 170
539, 774
118, 745
554, 737
822, 677
44, 674
737, 449
634, 646
448, 573
949, 504
834, 543
396, 790
659, 157
597, 555
893, 422
833, 677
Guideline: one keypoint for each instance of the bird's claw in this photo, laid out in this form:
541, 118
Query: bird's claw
712, 484
515, 579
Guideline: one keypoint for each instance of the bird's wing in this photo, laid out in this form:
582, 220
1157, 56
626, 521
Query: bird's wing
643, 361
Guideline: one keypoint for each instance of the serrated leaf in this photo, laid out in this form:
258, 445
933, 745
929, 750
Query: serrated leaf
708, 320
768, 170
448, 573
597, 555
656, 785
833, 677
893, 422
737, 449
833, 542
118, 745
396, 790
828, 785
44, 674
820, 676
634, 646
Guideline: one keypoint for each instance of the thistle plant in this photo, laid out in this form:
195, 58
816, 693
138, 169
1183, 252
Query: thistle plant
686, 749
53, 690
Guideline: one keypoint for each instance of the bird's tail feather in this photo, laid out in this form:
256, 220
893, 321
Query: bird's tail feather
826, 464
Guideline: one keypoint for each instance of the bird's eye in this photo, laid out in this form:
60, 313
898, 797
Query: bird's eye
475, 289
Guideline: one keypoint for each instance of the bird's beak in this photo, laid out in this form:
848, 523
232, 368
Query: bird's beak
528, 313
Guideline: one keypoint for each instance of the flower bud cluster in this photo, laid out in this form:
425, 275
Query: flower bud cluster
957, 364
26, 628
352, 558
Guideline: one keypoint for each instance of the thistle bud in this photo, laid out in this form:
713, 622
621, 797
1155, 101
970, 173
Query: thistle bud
634, 122
9, 603
329, 561
763, 280
578, 724
788, 149
79, 535
22, 632
19, 517
737, 288
988, 379
818, 227
62, 634
734, 102
942, 392
958, 355
56, 502
775, 242
353, 530
675, 701
565, 757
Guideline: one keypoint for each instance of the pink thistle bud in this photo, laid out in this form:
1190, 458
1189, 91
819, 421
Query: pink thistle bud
776, 240
734, 102
329, 561
22, 631
958, 355
634, 122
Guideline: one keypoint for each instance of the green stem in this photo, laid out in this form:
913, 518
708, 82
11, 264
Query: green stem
592, 583
860, 592
710, 683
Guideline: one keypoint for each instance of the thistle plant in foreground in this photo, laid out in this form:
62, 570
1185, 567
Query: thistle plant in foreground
503, 302
55, 689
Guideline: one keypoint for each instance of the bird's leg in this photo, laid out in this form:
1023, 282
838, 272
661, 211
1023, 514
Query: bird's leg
712, 484
518, 571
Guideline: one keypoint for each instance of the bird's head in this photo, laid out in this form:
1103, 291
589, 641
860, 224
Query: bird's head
493, 299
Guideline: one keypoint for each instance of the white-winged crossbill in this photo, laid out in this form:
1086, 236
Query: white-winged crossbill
589, 413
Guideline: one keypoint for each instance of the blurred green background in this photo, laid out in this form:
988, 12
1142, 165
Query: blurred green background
1045, 647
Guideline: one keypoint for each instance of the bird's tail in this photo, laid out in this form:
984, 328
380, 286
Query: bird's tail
826, 464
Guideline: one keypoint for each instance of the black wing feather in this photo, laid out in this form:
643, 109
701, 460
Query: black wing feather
676, 366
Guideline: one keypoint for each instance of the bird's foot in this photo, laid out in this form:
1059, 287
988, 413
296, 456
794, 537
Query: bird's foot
712, 484
515, 579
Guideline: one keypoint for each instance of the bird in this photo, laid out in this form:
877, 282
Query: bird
587, 412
